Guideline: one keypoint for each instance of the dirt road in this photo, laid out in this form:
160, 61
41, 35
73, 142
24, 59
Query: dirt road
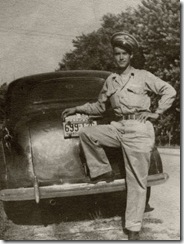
99, 217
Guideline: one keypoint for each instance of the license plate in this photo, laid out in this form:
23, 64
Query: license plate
71, 129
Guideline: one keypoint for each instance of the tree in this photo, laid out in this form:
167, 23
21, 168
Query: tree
156, 25
160, 39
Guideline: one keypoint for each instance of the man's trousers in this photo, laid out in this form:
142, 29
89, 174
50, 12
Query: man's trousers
136, 140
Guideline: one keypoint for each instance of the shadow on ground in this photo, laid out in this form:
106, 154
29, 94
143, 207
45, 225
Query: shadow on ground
67, 209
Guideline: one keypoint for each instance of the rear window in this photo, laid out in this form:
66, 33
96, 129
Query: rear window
64, 90
28, 94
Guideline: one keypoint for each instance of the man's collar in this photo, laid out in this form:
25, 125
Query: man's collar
130, 71
127, 71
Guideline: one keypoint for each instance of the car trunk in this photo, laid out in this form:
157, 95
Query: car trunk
56, 159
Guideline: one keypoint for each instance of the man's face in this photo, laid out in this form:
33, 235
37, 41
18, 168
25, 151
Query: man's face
122, 57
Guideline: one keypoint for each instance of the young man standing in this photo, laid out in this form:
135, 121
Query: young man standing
127, 91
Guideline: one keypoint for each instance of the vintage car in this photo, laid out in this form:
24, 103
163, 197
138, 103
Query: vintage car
41, 156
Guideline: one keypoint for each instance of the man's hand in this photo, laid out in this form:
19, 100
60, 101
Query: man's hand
147, 115
68, 111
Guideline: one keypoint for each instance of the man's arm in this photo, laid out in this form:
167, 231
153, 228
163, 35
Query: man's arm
162, 88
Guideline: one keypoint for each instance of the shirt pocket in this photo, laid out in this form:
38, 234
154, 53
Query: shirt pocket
134, 96
114, 99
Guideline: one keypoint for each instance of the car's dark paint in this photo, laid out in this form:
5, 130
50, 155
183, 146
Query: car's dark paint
35, 151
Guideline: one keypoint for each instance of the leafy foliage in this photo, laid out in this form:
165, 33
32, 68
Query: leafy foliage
156, 25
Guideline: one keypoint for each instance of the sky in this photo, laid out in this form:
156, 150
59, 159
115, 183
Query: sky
35, 34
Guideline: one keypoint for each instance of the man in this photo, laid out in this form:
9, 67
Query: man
127, 91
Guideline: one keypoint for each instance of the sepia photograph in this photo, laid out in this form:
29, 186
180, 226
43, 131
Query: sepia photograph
90, 120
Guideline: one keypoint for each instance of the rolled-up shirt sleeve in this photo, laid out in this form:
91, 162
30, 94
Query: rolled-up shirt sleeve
162, 88
98, 107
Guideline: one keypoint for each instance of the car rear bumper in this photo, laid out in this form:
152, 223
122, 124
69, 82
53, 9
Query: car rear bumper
66, 190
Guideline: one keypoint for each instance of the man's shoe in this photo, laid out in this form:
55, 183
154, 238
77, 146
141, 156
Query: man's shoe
108, 177
133, 236
148, 208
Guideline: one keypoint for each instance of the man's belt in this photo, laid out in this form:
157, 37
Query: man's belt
130, 116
